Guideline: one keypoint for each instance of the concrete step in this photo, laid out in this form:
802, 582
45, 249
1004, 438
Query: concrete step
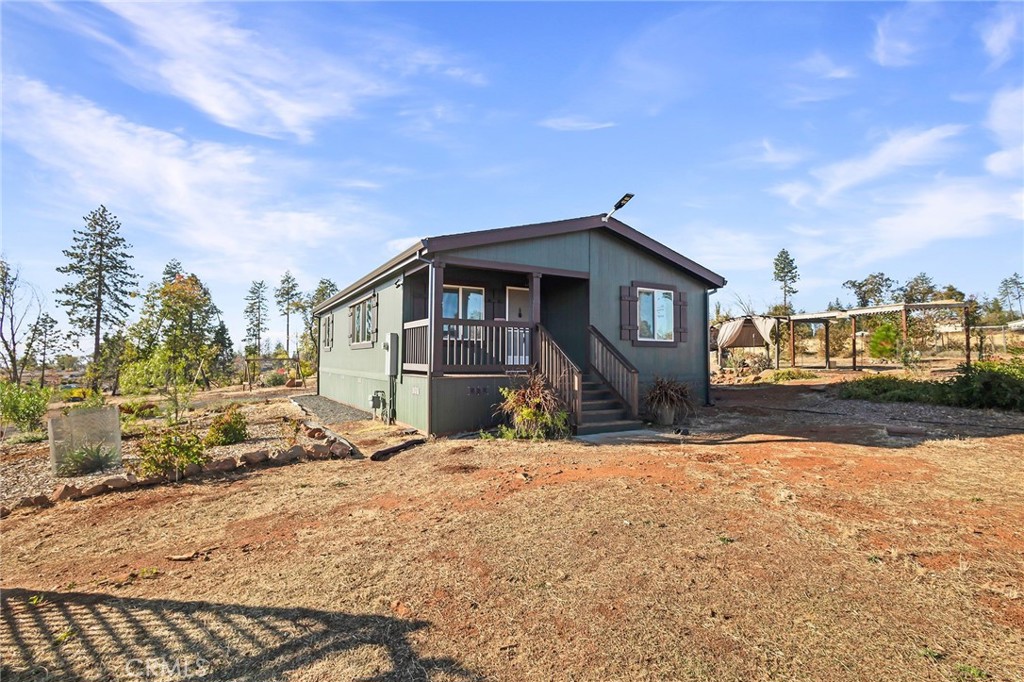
608, 427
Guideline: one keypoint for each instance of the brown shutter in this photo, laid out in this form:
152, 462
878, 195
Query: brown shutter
373, 302
627, 313
680, 317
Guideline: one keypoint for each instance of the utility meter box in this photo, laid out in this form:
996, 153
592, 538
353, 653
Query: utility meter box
391, 355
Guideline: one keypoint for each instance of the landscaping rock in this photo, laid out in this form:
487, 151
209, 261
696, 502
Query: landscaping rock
66, 491
132, 478
292, 454
256, 457
152, 480
41, 501
191, 470
318, 451
117, 483
23, 502
340, 450
221, 465
94, 490
290, 383
4, 512
315, 433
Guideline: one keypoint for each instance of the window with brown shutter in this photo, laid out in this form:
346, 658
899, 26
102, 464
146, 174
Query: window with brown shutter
652, 314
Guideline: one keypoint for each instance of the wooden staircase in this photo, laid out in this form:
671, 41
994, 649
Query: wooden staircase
602, 410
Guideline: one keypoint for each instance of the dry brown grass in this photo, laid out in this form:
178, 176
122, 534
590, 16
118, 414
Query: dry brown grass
759, 548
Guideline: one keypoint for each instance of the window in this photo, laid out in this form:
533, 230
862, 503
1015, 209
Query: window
655, 315
652, 314
462, 303
327, 331
363, 323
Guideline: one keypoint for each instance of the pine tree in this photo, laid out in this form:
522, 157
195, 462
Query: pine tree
255, 315
286, 296
45, 342
102, 279
1012, 289
786, 275
325, 288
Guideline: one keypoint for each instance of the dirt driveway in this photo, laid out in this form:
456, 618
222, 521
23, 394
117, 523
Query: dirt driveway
787, 536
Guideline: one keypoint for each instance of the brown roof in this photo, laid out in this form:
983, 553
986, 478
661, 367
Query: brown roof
499, 235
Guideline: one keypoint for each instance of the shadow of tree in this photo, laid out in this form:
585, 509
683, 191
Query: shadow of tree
90, 636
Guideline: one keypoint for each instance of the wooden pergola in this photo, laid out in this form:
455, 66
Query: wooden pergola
904, 309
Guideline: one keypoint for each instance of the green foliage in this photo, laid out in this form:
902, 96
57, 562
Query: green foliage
23, 406
227, 428
791, 374
875, 289
168, 452
255, 313
278, 377
785, 274
533, 411
87, 459
101, 279
92, 400
885, 342
995, 384
966, 672
28, 437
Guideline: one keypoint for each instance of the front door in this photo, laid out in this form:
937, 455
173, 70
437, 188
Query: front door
517, 339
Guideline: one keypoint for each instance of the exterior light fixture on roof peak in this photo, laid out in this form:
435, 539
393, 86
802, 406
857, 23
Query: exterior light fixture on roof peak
618, 204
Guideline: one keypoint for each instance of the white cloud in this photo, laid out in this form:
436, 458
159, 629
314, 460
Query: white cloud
774, 155
726, 250
903, 149
900, 35
792, 192
821, 65
574, 124
257, 81
1006, 122
213, 200
948, 209
1001, 33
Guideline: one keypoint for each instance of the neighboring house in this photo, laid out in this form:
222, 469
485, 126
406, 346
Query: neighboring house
596, 306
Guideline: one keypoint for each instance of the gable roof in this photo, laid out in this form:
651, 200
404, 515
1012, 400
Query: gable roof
461, 240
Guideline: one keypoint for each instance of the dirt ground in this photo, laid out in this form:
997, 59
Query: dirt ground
786, 536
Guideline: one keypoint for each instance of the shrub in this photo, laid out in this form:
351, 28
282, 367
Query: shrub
669, 393
276, 378
165, 453
92, 399
885, 342
138, 409
86, 460
533, 411
23, 406
227, 428
791, 374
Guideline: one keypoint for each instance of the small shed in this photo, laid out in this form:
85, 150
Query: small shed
751, 331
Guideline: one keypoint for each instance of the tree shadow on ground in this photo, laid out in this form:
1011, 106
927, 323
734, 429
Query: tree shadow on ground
49, 636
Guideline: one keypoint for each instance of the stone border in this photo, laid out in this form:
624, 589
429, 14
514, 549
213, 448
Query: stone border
334, 447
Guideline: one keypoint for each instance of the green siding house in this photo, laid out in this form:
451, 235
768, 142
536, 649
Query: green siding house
597, 307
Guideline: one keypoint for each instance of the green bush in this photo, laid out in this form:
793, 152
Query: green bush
168, 452
227, 428
276, 378
23, 406
791, 374
990, 384
533, 411
885, 342
86, 460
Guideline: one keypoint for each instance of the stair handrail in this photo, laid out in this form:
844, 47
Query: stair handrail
564, 376
615, 369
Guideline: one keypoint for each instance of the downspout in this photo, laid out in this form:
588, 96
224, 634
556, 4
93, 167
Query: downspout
430, 339
707, 346
319, 350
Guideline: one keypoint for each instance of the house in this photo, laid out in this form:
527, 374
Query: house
596, 306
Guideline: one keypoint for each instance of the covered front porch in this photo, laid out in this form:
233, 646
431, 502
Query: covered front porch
492, 318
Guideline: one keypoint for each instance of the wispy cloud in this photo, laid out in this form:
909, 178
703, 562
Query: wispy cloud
821, 65
401, 244
792, 192
255, 80
574, 124
774, 155
901, 35
1006, 122
1001, 32
212, 200
902, 149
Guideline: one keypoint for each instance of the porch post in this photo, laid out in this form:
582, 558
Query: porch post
535, 315
434, 326
792, 343
967, 335
778, 340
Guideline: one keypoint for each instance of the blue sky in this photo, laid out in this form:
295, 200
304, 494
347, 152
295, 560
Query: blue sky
244, 139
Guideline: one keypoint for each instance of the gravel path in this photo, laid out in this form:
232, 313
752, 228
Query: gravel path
327, 411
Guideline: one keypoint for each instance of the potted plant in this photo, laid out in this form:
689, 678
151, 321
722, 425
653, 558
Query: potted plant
668, 399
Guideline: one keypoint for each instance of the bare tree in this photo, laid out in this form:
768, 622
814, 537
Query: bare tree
19, 309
